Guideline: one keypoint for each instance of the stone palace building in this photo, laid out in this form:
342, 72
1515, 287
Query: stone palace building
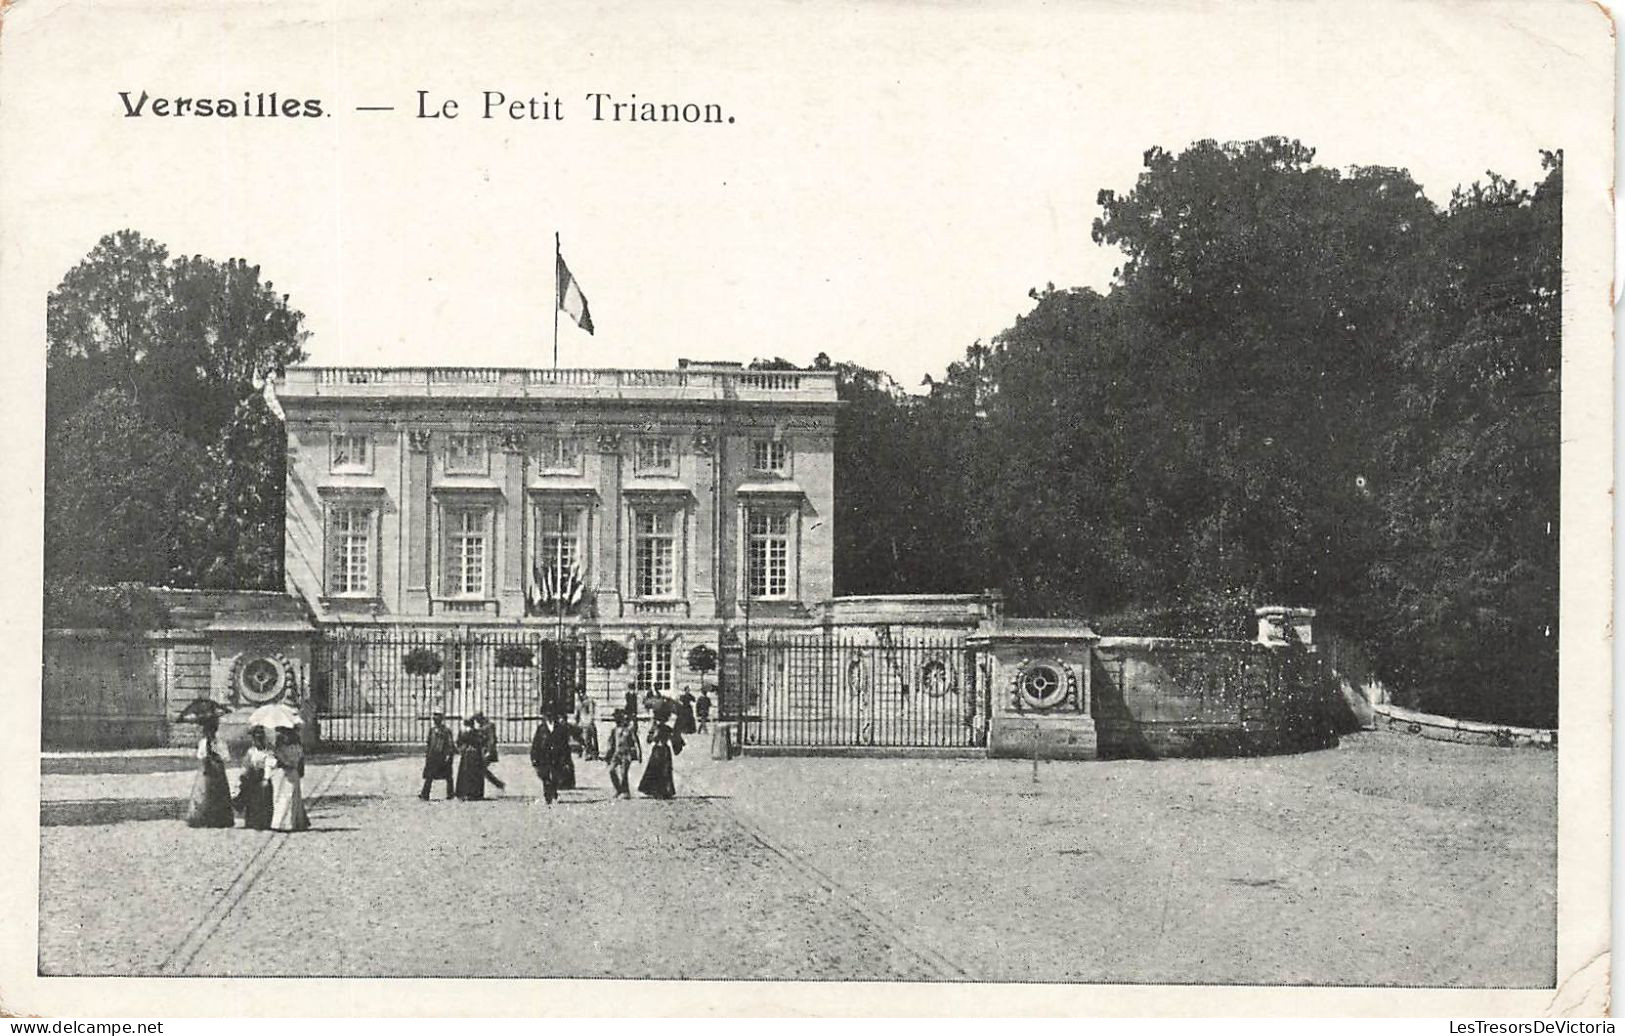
653, 506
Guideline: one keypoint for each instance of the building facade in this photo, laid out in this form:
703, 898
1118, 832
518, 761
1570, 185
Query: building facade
653, 506
468, 539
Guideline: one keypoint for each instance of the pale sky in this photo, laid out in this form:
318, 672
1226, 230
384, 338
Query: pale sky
898, 176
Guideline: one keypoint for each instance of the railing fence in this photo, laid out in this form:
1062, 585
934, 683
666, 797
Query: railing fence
859, 688
375, 686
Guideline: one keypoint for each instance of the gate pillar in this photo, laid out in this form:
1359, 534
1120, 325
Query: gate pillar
1040, 699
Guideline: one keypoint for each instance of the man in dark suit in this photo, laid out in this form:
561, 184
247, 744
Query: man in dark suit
702, 708
438, 755
550, 755
488, 731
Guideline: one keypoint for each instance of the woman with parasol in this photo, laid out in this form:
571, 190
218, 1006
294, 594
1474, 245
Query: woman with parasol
285, 768
287, 772
210, 805
254, 786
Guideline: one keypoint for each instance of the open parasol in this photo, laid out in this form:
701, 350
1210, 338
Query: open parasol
273, 716
199, 709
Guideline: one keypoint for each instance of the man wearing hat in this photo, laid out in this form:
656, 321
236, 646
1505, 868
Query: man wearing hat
438, 756
550, 755
623, 750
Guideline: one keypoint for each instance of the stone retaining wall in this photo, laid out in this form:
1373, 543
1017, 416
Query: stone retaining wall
124, 689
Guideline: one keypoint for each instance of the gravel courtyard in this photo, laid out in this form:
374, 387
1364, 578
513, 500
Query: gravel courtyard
1387, 861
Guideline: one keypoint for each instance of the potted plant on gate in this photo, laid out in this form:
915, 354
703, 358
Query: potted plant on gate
515, 656
422, 663
609, 655
702, 659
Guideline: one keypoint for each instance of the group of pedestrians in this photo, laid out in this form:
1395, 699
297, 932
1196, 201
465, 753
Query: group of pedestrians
692, 714
269, 793
464, 761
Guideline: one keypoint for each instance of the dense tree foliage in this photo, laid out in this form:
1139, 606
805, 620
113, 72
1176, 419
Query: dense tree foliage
117, 495
163, 461
1305, 386
1467, 581
73, 603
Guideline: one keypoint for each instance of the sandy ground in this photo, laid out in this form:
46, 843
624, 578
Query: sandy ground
1387, 861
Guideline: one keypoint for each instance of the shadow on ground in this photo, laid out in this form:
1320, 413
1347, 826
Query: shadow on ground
98, 812
115, 764
102, 812
185, 759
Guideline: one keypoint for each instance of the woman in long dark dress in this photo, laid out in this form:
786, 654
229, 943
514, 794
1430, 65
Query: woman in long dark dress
685, 713
567, 760
664, 742
254, 787
470, 762
211, 791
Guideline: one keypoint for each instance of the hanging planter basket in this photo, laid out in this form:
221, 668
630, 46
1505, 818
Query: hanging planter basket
702, 659
609, 655
421, 662
513, 656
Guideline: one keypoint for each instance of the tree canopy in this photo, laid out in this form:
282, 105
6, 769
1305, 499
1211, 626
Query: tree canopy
1305, 386
163, 461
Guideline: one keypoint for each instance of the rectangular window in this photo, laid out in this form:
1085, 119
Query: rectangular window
559, 548
349, 543
465, 454
654, 666
655, 455
654, 549
467, 535
343, 688
351, 453
768, 554
559, 455
770, 455
464, 667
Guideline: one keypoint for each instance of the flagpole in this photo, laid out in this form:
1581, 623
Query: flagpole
558, 253
558, 590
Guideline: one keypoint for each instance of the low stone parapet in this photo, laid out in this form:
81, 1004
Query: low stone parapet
1461, 731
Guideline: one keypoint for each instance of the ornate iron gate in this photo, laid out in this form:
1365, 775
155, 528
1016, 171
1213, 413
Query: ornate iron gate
860, 688
377, 686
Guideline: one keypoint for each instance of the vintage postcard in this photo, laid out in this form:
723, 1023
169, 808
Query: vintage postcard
800, 508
